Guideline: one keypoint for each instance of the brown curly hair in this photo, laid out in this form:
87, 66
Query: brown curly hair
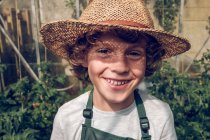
78, 52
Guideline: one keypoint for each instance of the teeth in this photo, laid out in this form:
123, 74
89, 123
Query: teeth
116, 83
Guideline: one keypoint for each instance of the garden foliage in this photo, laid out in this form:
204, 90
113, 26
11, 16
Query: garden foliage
27, 108
166, 12
188, 97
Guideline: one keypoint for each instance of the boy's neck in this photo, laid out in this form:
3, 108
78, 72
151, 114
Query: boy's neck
110, 106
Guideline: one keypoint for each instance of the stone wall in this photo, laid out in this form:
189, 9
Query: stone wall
196, 15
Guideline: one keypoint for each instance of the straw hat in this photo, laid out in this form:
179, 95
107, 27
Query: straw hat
109, 14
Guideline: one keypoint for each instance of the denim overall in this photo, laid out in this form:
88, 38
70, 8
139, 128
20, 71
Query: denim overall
90, 133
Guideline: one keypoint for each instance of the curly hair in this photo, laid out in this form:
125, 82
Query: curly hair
78, 52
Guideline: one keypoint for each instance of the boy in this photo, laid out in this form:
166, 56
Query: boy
114, 45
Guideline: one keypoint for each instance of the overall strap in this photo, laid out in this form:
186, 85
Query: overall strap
144, 122
88, 112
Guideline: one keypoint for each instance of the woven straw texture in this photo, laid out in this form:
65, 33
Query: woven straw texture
58, 36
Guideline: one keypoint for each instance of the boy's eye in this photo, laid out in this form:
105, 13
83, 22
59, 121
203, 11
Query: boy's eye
103, 51
134, 54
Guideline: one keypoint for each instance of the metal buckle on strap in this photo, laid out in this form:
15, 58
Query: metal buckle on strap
88, 113
148, 137
144, 124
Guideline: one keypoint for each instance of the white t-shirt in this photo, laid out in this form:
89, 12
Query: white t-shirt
125, 123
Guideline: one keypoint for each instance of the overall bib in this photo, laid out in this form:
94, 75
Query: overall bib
90, 133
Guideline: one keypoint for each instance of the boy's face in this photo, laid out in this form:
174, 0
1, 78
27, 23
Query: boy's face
115, 68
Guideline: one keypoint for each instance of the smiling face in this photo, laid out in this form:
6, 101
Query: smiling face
115, 68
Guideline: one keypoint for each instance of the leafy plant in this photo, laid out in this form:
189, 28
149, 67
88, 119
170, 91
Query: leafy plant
2, 67
166, 12
189, 98
27, 108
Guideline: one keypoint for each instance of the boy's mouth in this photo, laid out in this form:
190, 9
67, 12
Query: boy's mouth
117, 82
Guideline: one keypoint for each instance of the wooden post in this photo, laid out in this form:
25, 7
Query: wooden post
179, 61
181, 17
25, 27
35, 31
13, 33
17, 37
2, 84
77, 9
2, 43
2, 37
26, 17
40, 11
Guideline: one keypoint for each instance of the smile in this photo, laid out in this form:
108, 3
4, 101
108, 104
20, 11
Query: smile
117, 82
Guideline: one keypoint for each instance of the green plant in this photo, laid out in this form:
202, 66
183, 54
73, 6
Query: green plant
166, 12
27, 108
189, 98
2, 68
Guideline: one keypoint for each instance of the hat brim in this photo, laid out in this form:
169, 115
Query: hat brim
58, 36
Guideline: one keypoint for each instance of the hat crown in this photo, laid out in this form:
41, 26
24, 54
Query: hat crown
117, 10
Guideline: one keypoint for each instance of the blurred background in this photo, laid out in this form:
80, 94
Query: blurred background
34, 82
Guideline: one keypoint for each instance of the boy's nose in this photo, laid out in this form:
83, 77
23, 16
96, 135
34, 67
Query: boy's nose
120, 64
